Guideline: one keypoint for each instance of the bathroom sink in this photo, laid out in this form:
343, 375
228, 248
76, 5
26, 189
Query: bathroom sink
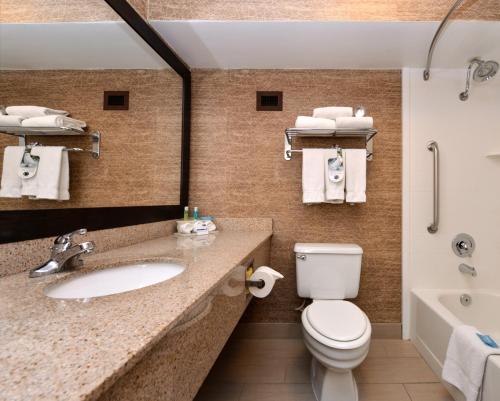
114, 280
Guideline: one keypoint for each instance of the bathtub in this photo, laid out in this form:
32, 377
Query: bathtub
434, 315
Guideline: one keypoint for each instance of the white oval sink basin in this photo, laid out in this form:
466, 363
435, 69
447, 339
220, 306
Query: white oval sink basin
114, 280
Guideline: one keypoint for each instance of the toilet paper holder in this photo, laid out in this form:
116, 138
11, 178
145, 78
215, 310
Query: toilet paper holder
255, 283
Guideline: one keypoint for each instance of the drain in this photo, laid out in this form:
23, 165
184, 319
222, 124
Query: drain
465, 299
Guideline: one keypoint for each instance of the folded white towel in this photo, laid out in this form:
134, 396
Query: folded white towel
54, 121
334, 176
355, 172
33, 111
312, 122
52, 177
10, 121
354, 122
10, 186
313, 176
465, 361
332, 112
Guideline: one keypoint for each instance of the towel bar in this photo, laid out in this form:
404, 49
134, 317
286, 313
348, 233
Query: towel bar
291, 133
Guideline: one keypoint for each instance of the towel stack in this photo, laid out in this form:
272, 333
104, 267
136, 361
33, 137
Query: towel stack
330, 176
333, 118
42, 173
38, 117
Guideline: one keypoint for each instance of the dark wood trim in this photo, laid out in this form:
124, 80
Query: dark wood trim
20, 225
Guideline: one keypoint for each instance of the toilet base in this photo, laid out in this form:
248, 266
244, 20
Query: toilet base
332, 385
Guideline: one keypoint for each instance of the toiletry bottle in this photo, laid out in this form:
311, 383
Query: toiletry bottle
186, 212
195, 213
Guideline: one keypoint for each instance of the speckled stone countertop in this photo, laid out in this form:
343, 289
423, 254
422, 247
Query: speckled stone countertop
75, 350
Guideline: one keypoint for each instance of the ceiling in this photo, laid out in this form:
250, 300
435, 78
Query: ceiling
247, 44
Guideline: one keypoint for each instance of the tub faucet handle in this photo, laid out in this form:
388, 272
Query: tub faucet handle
463, 245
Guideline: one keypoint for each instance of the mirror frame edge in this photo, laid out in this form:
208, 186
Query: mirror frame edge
22, 225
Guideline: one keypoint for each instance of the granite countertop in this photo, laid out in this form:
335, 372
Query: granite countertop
75, 350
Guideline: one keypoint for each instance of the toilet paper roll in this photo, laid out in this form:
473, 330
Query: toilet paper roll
269, 276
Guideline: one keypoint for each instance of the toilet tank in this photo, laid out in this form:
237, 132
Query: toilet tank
328, 271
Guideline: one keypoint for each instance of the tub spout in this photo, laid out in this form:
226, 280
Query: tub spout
467, 269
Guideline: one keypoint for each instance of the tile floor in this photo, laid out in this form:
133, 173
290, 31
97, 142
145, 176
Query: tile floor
278, 370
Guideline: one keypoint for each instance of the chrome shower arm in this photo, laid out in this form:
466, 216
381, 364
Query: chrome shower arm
442, 25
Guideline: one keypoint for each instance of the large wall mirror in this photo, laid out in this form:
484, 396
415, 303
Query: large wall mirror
104, 65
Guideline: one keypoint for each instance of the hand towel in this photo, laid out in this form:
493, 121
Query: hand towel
334, 176
33, 111
312, 122
10, 121
10, 185
52, 176
465, 361
355, 173
355, 122
54, 121
313, 176
332, 112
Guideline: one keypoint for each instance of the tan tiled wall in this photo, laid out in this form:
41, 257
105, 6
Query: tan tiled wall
238, 170
140, 159
62, 10
321, 10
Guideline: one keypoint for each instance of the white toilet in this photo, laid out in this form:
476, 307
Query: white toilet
336, 332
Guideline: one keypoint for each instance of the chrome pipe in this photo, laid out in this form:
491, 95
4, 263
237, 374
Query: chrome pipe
433, 147
442, 25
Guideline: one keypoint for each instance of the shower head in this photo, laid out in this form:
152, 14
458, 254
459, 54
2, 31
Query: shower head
484, 71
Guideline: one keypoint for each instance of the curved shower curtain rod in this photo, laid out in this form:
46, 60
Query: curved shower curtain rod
442, 25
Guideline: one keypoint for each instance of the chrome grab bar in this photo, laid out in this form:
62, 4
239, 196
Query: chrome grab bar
433, 147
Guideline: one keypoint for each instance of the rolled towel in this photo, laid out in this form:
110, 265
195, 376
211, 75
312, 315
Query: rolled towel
332, 112
312, 122
54, 121
34, 111
10, 121
355, 122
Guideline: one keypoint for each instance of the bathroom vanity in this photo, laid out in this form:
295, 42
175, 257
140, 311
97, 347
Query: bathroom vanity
154, 343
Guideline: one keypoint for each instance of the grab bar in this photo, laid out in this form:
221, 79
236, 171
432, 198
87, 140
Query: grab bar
433, 147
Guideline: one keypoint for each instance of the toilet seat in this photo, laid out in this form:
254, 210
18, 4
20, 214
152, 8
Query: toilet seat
337, 324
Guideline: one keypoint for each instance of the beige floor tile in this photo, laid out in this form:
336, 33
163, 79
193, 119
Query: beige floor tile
382, 392
394, 370
298, 371
428, 392
400, 349
250, 349
218, 392
278, 392
236, 371
377, 349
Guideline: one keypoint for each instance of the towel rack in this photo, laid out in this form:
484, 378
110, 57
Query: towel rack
291, 133
23, 132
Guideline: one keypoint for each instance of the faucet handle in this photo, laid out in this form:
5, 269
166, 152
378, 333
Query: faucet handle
66, 238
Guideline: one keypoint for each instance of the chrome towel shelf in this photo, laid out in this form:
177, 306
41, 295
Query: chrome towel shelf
291, 133
23, 132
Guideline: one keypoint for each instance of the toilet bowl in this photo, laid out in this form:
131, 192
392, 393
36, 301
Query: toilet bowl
337, 333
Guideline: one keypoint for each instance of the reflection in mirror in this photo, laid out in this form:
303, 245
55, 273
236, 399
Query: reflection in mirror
100, 72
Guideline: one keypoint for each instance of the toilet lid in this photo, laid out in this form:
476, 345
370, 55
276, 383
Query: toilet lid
337, 320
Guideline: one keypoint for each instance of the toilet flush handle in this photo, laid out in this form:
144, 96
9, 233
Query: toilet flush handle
301, 257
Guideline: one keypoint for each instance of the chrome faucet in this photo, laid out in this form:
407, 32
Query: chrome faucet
467, 269
65, 254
